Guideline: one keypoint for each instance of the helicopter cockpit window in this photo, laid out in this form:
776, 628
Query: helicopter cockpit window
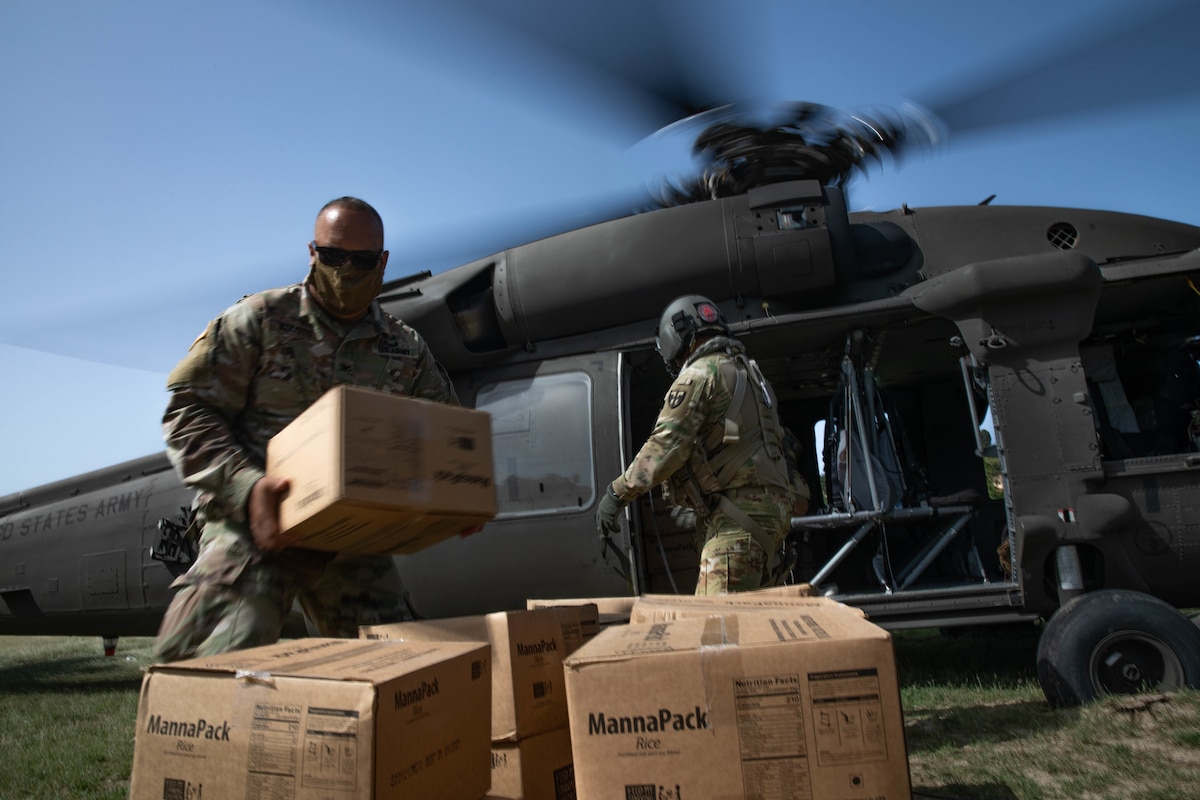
541, 441
790, 219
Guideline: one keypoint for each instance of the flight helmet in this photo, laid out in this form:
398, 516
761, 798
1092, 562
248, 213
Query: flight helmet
682, 320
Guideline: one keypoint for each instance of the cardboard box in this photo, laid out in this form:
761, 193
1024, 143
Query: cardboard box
772, 703
787, 590
314, 719
613, 610
664, 607
537, 768
528, 694
379, 473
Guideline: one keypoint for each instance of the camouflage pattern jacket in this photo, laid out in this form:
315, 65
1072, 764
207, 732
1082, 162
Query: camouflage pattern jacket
258, 366
691, 429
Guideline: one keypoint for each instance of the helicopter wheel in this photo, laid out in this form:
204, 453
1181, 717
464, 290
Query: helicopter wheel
1116, 642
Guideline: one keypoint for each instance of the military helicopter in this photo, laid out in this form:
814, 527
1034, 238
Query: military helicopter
888, 337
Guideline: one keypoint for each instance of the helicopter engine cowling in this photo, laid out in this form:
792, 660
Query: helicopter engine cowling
780, 241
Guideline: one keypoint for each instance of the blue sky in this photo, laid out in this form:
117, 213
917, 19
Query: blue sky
159, 160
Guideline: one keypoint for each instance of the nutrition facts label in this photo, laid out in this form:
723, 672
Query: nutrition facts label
770, 723
327, 739
331, 749
848, 717
271, 764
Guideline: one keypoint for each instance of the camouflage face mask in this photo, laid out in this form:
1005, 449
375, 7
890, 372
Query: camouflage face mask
345, 291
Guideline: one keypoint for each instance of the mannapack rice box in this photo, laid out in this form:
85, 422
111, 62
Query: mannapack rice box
539, 767
528, 695
316, 719
373, 472
775, 704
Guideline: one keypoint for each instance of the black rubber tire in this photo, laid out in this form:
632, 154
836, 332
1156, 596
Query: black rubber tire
1115, 641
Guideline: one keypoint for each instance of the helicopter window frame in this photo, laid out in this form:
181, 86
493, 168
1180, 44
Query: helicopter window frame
792, 218
542, 448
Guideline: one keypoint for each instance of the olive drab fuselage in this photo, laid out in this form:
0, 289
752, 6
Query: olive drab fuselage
954, 311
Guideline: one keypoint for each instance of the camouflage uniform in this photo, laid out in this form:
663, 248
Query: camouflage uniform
254, 370
691, 432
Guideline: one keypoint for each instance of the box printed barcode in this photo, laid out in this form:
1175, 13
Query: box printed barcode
178, 789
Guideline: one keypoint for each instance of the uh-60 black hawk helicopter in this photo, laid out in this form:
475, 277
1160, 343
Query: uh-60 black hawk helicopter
887, 337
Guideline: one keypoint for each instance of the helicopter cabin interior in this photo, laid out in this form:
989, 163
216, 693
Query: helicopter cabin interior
907, 489
921, 516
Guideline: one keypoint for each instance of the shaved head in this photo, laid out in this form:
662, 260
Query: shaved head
346, 227
349, 219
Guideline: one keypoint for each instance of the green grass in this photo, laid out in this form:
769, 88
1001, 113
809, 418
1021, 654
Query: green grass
67, 716
977, 726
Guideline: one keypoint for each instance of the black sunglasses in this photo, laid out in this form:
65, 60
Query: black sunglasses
336, 257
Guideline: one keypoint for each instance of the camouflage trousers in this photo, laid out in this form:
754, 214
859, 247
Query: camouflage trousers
732, 559
235, 597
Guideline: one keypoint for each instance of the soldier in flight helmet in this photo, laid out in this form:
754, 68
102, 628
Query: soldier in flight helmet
718, 446
681, 322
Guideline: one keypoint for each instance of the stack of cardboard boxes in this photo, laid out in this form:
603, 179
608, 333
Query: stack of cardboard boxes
772, 695
530, 740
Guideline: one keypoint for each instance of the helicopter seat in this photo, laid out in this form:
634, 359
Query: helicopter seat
873, 482
945, 521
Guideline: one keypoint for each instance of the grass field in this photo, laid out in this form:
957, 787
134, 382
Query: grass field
976, 724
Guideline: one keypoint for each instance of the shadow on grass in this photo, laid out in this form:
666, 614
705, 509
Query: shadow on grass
973, 687
935, 729
71, 674
998, 656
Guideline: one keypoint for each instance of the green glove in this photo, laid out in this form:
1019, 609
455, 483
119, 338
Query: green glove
606, 513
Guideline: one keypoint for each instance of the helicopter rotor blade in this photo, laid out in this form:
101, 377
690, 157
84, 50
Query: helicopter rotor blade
675, 55
598, 39
1138, 57
672, 56
617, 68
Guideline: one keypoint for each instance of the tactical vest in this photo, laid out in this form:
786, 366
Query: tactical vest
752, 431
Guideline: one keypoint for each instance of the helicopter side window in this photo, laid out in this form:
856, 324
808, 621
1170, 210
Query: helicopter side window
1116, 420
541, 443
1146, 394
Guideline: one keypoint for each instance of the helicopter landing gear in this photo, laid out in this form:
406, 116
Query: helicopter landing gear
1114, 641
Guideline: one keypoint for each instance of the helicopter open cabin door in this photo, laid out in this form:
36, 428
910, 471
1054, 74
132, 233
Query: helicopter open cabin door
555, 445
665, 544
